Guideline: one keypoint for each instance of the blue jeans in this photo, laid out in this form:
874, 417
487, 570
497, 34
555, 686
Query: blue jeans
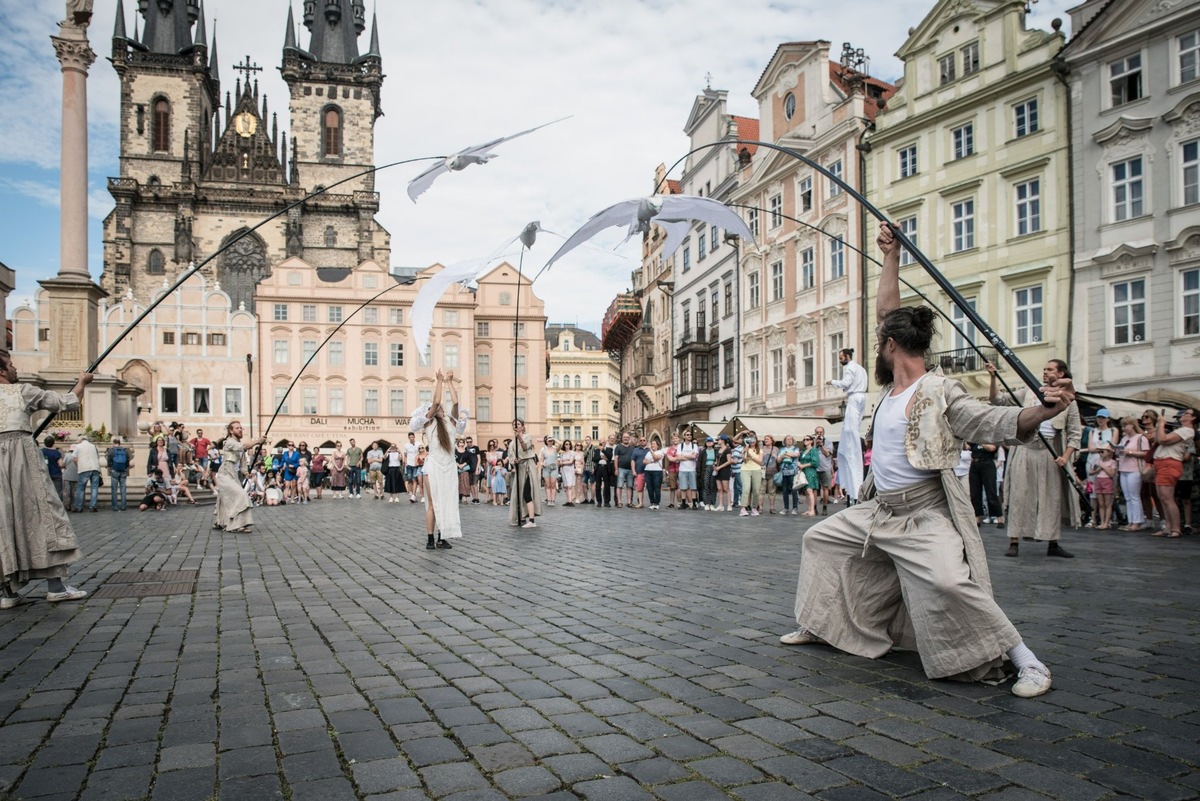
654, 486
88, 478
118, 490
737, 487
355, 480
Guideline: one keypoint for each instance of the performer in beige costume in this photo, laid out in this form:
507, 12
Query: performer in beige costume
36, 538
906, 567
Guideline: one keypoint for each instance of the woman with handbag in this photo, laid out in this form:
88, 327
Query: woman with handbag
770, 464
789, 468
653, 462
1168, 467
810, 458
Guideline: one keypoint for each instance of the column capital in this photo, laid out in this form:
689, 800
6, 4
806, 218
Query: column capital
73, 54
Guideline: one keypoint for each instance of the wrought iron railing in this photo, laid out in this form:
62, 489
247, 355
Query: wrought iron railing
962, 360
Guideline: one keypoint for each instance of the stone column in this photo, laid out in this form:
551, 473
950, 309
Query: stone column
76, 56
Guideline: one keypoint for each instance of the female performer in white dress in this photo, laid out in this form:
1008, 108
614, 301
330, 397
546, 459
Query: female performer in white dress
441, 470
233, 502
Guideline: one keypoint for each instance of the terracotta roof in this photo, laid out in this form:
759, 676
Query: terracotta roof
747, 129
674, 187
880, 91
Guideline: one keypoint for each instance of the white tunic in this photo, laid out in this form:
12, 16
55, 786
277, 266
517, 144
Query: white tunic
441, 471
889, 459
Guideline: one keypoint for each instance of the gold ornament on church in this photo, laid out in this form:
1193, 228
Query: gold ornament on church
245, 124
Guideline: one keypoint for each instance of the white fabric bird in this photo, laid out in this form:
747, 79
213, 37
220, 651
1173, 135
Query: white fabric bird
477, 154
674, 213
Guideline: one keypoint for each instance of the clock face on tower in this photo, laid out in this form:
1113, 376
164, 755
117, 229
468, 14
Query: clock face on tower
245, 124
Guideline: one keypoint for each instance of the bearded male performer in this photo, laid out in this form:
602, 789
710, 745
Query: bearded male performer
850, 457
906, 567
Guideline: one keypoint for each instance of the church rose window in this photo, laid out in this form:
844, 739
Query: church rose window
242, 267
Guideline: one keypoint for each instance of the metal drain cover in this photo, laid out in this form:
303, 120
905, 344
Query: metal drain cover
148, 583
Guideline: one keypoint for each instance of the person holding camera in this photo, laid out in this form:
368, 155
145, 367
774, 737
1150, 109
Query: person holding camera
1169, 457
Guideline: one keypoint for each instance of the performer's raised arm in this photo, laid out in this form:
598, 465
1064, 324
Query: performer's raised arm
887, 297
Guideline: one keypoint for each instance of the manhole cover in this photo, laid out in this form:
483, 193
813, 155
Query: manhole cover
148, 583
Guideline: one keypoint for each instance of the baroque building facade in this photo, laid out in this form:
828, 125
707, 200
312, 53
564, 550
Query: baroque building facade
970, 159
1134, 71
803, 280
583, 390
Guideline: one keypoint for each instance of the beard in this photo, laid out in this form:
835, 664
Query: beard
883, 372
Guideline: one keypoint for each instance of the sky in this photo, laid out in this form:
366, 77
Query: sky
460, 72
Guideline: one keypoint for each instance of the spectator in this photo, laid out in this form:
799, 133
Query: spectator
354, 462
70, 478
118, 459
87, 458
687, 455
770, 465
652, 471
54, 464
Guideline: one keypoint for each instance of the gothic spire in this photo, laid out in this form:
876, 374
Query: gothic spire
374, 51
214, 70
289, 38
119, 26
335, 30
201, 30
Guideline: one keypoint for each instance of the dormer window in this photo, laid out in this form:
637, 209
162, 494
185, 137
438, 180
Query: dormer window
331, 132
970, 58
946, 73
160, 131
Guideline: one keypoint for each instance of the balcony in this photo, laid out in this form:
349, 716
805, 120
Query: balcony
694, 340
963, 360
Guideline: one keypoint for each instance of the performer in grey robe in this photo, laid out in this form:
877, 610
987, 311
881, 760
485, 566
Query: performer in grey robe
1036, 490
233, 502
36, 537
906, 567
524, 492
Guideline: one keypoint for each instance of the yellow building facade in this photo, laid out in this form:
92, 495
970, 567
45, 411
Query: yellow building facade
583, 390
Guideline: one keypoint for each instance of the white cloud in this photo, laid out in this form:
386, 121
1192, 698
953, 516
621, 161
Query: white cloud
464, 71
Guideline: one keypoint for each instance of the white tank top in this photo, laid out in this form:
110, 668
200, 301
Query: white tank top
889, 461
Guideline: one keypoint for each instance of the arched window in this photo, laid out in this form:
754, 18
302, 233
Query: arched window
154, 180
578, 382
160, 131
330, 236
331, 132
554, 382
156, 264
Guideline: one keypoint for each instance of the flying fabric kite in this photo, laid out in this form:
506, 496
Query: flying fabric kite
674, 213
477, 154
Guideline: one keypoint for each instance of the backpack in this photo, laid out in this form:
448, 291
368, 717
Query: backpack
120, 461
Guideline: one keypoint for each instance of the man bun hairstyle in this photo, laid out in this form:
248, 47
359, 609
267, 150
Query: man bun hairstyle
1062, 367
848, 352
911, 327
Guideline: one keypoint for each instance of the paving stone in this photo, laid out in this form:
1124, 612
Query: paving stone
366, 746
726, 771
333, 789
310, 766
384, 776
546, 742
691, 791
442, 780
266, 788
803, 773
525, 782
432, 751
197, 784
502, 756
1059, 785
187, 756
616, 788
770, 791
119, 784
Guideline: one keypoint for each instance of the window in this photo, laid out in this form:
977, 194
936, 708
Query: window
789, 106
396, 354
519, 363
168, 400
684, 383
335, 314
233, 400
505, 298
337, 400
837, 258
808, 270
483, 365
370, 402
371, 354
168, 337
518, 329
308, 314
424, 396
555, 432
687, 318
555, 408
716, 304
395, 316
595, 381
808, 362
396, 403
1027, 304
1025, 117
1191, 172
836, 169
963, 214
44, 335
308, 400
450, 318
727, 368
156, 264
307, 348
963, 138
330, 236
776, 281
961, 321
1125, 79
201, 400
686, 249
1127, 189
554, 382
777, 370
483, 329
908, 227
369, 282
578, 407
752, 221
701, 246
450, 357
701, 372
595, 407
371, 315
1189, 56
331, 132
908, 161
280, 400
728, 298
776, 204
160, 132
281, 312
970, 58
714, 238
337, 354
1129, 311
806, 194
755, 377
1190, 299
191, 338
946, 72
280, 347
1029, 207
752, 282
836, 343
483, 409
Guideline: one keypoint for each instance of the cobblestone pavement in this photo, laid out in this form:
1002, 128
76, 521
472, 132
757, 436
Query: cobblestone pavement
610, 655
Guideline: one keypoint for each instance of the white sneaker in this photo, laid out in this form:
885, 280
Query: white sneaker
68, 594
801, 636
743, 513
529, 524
1032, 681
754, 513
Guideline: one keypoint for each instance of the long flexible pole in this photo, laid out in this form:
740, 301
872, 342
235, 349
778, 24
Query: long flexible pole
197, 267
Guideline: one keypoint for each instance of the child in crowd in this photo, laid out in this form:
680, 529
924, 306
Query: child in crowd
1104, 473
302, 476
499, 483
